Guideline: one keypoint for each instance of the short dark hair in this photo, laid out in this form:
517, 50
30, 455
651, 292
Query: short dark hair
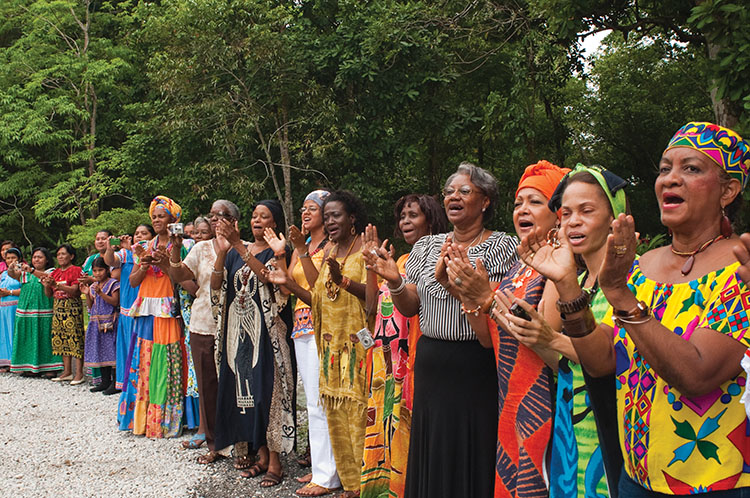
149, 228
49, 261
109, 233
68, 248
433, 212
8, 242
352, 205
99, 263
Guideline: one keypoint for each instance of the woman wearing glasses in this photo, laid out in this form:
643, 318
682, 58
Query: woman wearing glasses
455, 379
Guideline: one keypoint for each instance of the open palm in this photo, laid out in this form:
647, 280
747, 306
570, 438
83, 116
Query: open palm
552, 262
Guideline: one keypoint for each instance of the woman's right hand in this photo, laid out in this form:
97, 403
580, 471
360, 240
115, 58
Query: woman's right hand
441, 272
25, 267
277, 276
380, 260
534, 333
297, 239
555, 263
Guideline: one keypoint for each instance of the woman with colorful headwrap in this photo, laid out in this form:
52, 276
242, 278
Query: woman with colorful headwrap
525, 382
152, 399
255, 401
677, 327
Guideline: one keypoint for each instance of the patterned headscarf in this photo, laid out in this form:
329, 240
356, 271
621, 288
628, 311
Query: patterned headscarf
612, 185
317, 196
171, 207
725, 147
542, 176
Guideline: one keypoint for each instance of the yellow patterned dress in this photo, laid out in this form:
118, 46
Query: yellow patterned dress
672, 443
342, 367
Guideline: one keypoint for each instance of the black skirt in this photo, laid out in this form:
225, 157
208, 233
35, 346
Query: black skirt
454, 421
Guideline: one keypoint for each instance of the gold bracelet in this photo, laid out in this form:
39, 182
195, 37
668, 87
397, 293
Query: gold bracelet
175, 265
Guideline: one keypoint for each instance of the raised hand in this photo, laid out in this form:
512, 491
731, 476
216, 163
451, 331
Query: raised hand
176, 241
472, 284
274, 242
297, 239
621, 244
335, 269
229, 230
441, 273
555, 263
159, 257
85, 279
126, 242
27, 268
381, 261
277, 276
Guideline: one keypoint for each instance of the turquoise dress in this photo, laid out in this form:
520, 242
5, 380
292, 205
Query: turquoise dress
128, 294
8, 305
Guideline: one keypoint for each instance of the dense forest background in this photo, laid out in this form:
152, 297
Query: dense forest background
104, 104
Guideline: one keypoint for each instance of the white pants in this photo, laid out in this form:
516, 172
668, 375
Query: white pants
321, 454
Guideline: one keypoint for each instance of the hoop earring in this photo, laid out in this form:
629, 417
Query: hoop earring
552, 238
726, 225
352, 231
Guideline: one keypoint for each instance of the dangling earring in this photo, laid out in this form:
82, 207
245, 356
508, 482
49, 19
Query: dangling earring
726, 225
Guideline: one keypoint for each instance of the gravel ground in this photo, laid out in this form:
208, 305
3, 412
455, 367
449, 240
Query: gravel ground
63, 440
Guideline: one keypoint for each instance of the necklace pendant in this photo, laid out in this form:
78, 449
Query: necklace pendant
688, 265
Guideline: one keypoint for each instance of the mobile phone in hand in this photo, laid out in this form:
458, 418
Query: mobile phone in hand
516, 310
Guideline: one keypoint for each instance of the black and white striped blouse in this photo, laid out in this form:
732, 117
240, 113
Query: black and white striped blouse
440, 314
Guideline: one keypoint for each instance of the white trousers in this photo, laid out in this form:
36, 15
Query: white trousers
321, 454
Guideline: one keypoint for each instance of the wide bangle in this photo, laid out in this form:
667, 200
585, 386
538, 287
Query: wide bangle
175, 265
580, 303
639, 314
395, 291
472, 311
579, 327
218, 271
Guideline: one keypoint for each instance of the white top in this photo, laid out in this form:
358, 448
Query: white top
200, 260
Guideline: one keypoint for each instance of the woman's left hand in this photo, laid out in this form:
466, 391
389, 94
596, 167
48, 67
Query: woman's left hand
278, 245
335, 269
618, 260
4, 292
472, 284
531, 333
229, 230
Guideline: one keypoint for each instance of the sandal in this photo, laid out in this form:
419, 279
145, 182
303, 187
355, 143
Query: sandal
194, 443
254, 471
312, 489
304, 460
243, 462
209, 457
271, 479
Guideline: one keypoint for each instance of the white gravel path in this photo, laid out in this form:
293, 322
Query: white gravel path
62, 440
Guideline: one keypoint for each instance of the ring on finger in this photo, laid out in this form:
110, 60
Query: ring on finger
457, 281
621, 250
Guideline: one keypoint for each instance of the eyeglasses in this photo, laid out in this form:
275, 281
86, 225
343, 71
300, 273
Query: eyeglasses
220, 214
465, 191
312, 209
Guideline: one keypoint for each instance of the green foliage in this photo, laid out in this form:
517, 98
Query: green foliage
119, 221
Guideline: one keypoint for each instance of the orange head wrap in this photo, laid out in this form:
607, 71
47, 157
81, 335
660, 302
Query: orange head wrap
543, 176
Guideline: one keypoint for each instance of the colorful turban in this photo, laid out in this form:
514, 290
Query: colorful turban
543, 176
611, 184
725, 147
318, 196
171, 207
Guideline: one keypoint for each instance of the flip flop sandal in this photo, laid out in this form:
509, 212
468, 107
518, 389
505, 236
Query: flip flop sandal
271, 479
195, 442
254, 471
304, 459
243, 462
314, 490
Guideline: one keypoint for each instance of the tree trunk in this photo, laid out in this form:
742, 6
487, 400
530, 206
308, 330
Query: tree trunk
726, 112
286, 165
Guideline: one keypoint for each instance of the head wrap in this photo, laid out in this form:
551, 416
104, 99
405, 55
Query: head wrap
171, 207
15, 251
276, 211
611, 184
724, 146
542, 176
318, 196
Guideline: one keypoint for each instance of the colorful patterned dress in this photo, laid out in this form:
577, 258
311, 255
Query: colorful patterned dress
128, 295
577, 463
152, 400
8, 306
384, 465
32, 341
254, 357
672, 443
101, 333
342, 367
525, 400
67, 318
